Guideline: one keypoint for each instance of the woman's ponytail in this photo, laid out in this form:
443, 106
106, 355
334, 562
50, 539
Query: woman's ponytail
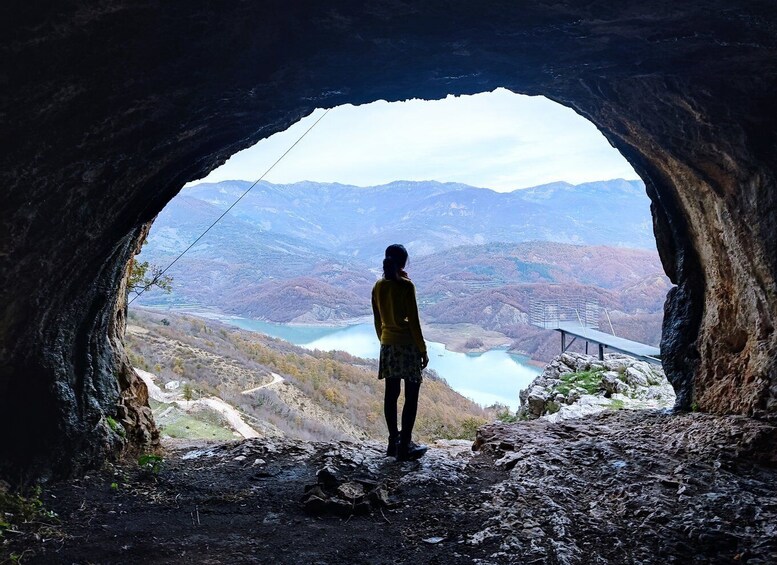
390, 269
396, 259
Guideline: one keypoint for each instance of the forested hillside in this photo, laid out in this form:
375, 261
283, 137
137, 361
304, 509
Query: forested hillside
310, 252
320, 395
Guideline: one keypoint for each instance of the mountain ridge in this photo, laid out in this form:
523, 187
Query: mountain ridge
433, 215
310, 252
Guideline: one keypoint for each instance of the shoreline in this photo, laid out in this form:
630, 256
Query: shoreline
456, 367
214, 314
453, 337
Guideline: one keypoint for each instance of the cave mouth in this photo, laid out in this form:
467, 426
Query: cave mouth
496, 139
128, 105
499, 141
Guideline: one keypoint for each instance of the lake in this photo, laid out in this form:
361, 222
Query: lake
486, 378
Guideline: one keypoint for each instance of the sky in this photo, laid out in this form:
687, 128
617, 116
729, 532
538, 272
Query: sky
497, 140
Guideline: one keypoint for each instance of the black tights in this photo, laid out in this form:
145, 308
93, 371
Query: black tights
408, 410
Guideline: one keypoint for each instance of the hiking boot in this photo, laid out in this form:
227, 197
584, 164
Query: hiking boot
410, 451
391, 450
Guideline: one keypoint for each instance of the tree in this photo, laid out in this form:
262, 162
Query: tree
144, 277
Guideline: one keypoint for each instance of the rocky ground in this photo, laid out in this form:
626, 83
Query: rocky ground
618, 487
573, 385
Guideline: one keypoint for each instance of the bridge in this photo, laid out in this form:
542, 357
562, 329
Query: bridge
579, 319
634, 349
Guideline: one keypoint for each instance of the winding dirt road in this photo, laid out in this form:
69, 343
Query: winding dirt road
232, 416
276, 380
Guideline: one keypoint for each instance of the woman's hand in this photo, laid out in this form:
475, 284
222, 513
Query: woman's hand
424, 360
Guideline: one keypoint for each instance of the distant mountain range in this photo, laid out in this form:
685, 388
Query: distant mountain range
427, 217
310, 252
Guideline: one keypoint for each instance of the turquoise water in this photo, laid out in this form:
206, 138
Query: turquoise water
486, 378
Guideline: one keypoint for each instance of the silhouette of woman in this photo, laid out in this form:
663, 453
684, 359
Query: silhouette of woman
402, 350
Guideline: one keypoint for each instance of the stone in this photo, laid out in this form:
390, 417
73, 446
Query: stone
536, 400
639, 462
573, 396
616, 363
341, 493
351, 490
571, 360
328, 476
655, 378
635, 377
612, 384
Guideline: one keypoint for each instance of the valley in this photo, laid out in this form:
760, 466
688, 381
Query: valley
195, 367
309, 253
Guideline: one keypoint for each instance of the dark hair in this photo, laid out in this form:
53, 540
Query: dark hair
396, 259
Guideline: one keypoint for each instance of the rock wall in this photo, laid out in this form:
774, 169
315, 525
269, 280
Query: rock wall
108, 108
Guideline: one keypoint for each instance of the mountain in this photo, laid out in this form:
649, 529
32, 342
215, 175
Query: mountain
301, 300
461, 270
310, 252
234, 257
431, 216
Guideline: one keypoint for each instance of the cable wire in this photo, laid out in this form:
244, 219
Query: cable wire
257, 181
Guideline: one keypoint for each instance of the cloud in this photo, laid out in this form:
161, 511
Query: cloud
497, 140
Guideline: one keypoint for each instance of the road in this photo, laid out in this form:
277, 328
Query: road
276, 379
230, 414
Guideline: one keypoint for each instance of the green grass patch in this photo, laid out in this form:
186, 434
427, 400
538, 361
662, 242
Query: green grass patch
586, 380
616, 404
156, 405
185, 426
115, 426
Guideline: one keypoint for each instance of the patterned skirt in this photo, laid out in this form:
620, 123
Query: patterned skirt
400, 362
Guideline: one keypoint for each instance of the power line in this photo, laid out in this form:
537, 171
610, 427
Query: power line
174, 261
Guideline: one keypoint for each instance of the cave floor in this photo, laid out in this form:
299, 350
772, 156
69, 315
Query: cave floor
624, 487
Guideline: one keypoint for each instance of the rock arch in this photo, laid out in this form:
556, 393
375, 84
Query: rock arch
109, 108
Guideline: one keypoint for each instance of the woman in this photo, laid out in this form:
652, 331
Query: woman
402, 350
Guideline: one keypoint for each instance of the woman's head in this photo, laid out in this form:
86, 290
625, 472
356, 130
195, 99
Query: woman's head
395, 261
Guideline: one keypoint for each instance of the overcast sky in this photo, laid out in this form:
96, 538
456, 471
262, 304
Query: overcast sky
497, 140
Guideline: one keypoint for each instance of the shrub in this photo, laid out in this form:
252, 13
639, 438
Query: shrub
333, 396
178, 367
469, 427
150, 463
16, 510
504, 414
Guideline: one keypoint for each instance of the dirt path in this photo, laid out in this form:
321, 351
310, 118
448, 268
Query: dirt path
232, 416
276, 380
650, 488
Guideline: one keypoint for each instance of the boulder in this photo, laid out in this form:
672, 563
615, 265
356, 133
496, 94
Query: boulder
536, 401
636, 377
612, 383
